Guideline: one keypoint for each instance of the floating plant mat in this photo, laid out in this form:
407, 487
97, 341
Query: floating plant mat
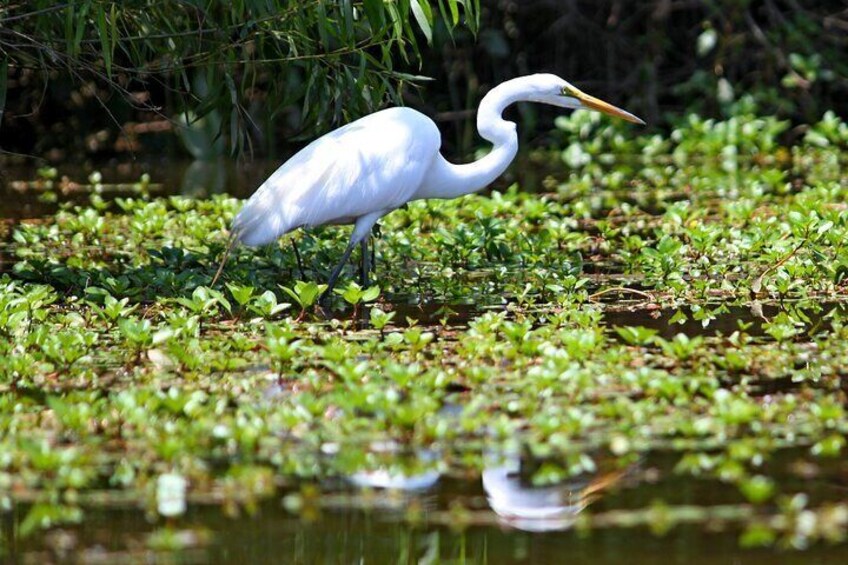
660, 351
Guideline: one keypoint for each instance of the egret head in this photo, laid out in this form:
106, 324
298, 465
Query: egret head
551, 89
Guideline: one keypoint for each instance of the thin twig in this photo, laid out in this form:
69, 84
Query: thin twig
621, 290
231, 243
757, 285
55, 8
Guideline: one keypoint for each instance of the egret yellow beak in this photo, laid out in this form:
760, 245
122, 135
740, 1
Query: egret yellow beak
596, 104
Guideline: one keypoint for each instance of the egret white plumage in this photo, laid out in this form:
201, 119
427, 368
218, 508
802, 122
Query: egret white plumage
360, 172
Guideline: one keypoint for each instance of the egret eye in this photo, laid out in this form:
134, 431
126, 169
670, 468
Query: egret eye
566, 91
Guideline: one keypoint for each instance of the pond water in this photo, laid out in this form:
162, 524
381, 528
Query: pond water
22, 186
504, 519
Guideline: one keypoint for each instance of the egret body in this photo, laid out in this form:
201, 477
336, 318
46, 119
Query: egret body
367, 168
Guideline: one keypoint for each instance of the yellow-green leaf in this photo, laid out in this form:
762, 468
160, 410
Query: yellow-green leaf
105, 40
424, 17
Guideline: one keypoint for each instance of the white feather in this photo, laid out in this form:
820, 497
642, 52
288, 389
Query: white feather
374, 164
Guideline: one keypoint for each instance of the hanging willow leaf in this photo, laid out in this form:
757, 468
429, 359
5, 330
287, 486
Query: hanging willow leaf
335, 59
374, 12
454, 11
424, 17
105, 39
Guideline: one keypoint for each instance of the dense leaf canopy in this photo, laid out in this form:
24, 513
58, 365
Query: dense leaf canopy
232, 57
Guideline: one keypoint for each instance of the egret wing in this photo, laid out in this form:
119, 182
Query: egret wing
374, 164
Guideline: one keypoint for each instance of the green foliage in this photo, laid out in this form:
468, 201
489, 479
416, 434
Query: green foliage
683, 325
355, 294
44, 515
205, 301
335, 59
380, 319
636, 335
306, 294
266, 305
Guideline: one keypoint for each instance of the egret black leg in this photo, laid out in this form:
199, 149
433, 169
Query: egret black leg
363, 276
361, 229
337, 271
299, 262
375, 234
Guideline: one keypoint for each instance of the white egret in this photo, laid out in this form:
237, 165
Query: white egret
362, 171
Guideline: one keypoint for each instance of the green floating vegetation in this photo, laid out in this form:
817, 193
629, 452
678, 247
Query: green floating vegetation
679, 297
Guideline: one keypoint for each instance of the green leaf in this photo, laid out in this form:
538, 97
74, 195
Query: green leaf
305, 293
241, 294
371, 293
678, 318
397, 21
411, 77
309, 292
105, 39
374, 12
42, 516
324, 23
636, 335
757, 489
347, 9
69, 28
113, 24
352, 294
424, 17
81, 22
454, 11
291, 293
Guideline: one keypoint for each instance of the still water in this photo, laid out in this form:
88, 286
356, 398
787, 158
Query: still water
417, 521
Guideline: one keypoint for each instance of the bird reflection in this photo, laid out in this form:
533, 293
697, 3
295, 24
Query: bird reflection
416, 471
522, 505
394, 480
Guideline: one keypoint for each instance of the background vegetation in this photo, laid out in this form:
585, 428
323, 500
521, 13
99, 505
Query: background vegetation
250, 66
266, 71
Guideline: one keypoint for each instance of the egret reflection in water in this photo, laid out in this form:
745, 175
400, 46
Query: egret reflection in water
416, 471
522, 505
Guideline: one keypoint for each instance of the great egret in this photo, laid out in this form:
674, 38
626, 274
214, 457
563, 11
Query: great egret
367, 168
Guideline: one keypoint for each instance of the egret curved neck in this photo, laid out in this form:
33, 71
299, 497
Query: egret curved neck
448, 180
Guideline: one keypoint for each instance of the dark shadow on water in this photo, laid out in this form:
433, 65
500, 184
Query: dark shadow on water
21, 190
724, 319
169, 175
750, 318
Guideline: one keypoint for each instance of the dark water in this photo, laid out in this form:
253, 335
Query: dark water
361, 537
19, 195
346, 524
21, 186
620, 313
